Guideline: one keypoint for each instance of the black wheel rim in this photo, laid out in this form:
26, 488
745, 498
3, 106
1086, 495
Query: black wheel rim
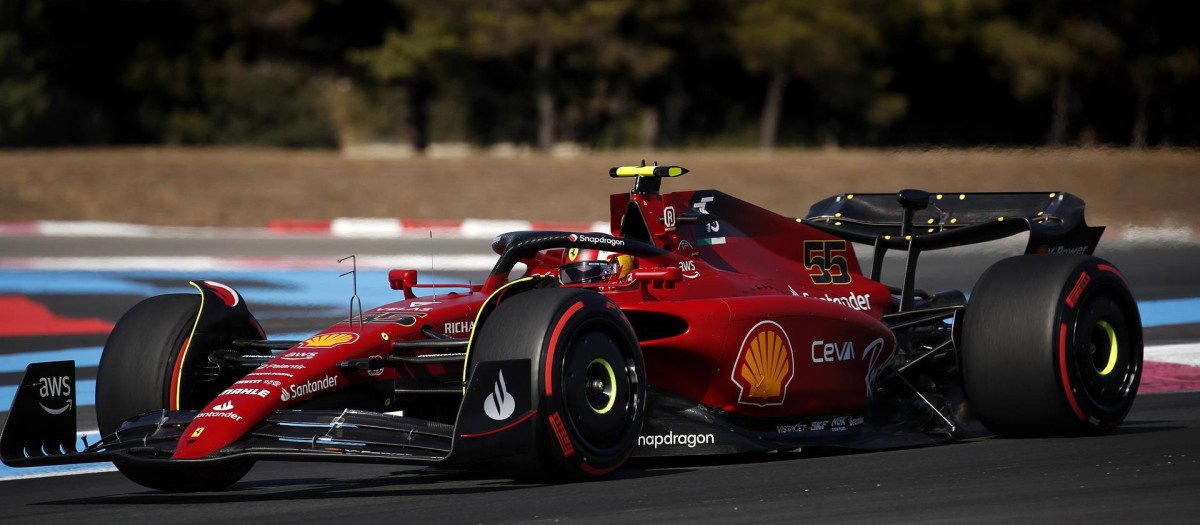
1104, 357
599, 387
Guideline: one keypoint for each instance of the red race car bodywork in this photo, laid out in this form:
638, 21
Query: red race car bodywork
717, 327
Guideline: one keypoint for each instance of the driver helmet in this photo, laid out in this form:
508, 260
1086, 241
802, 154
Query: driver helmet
584, 265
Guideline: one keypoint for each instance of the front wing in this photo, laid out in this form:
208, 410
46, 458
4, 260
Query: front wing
37, 436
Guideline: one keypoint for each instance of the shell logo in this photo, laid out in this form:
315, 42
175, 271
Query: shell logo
764, 366
329, 340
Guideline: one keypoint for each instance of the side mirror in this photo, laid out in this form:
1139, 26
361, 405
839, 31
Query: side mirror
403, 280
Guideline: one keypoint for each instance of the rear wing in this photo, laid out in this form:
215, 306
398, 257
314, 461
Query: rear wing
1054, 220
914, 221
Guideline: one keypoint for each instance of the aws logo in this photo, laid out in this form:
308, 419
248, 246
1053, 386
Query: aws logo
765, 366
54, 387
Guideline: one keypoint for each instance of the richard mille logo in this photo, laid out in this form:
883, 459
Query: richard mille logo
500, 404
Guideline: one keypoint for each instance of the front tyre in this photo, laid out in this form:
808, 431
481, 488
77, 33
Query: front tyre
588, 376
144, 368
1052, 346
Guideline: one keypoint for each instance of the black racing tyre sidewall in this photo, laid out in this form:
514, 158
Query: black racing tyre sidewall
134, 377
1025, 335
566, 443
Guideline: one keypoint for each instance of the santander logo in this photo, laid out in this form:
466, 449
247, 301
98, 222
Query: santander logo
500, 404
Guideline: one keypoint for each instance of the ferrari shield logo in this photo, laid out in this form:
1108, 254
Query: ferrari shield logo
764, 366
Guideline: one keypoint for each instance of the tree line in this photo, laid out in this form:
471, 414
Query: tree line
599, 73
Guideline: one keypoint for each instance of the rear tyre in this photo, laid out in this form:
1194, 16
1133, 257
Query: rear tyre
135, 376
588, 375
1052, 346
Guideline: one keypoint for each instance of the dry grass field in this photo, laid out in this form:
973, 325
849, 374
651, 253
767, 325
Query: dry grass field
233, 187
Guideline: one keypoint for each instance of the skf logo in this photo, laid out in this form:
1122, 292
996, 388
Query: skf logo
329, 340
764, 366
54, 387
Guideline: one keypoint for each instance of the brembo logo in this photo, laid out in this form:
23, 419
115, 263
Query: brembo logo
500, 404
54, 387
309, 387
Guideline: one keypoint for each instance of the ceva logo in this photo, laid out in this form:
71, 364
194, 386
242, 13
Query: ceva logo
500, 404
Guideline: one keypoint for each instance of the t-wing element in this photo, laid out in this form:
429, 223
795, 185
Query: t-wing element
912, 201
649, 178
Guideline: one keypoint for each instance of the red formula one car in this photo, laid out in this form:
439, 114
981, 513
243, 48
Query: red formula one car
702, 325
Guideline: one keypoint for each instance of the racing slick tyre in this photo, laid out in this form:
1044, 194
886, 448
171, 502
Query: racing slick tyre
1052, 346
588, 377
135, 376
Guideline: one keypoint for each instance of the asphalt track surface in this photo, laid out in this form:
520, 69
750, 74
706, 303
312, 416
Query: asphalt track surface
1146, 471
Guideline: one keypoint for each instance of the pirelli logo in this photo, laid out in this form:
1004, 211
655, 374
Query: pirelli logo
1082, 283
560, 431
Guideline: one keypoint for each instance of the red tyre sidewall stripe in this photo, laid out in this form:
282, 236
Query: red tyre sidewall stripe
173, 402
1114, 271
548, 365
501, 429
1062, 369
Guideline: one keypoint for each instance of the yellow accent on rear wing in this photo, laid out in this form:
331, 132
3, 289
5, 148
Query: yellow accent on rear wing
647, 171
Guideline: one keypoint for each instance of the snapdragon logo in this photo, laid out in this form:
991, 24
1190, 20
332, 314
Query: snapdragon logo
611, 241
671, 438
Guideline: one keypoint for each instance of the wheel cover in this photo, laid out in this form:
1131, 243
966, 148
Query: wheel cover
1104, 355
601, 385
598, 388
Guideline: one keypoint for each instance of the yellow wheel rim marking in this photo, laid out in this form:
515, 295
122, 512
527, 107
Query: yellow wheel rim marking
1112, 348
612, 380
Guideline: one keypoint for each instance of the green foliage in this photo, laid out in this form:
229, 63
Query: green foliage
23, 98
600, 73
408, 54
802, 37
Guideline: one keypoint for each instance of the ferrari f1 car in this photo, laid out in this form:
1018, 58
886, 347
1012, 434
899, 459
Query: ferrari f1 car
701, 324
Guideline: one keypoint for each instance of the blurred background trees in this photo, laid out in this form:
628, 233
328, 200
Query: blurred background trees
600, 73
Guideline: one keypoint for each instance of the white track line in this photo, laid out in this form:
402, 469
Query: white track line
1180, 354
